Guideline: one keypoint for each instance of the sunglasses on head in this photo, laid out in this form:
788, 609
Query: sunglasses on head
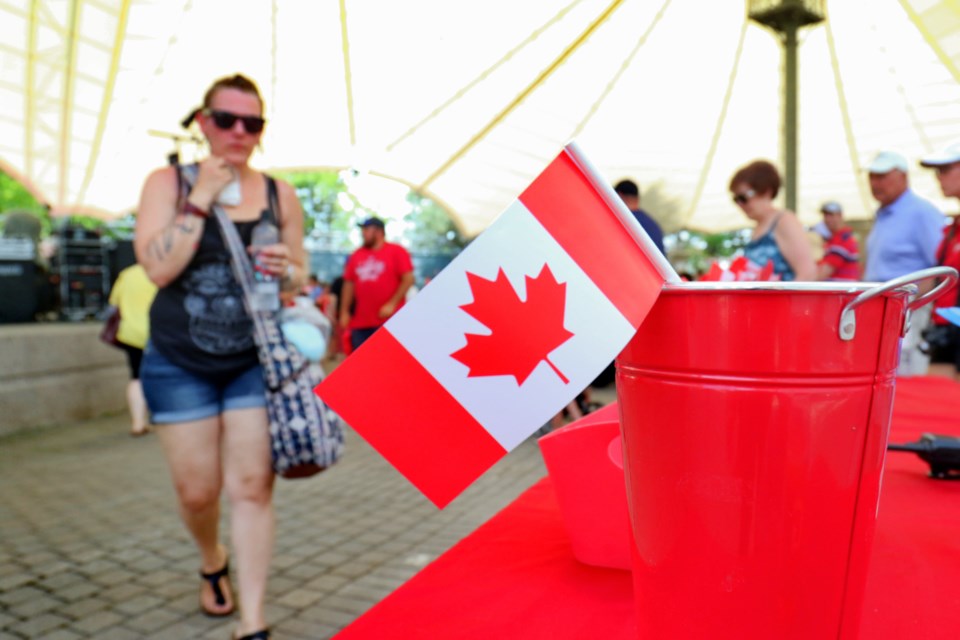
742, 198
225, 120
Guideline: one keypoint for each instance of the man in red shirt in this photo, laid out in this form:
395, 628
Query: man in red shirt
841, 253
942, 337
376, 278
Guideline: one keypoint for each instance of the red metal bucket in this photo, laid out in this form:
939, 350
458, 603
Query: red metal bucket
755, 420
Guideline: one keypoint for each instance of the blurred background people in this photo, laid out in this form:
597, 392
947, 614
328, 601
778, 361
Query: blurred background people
305, 326
942, 338
376, 279
629, 192
841, 251
907, 228
904, 238
313, 288
778, 237
132, 294
339, 344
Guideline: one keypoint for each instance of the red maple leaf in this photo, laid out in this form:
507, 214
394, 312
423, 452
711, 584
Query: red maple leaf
523, 332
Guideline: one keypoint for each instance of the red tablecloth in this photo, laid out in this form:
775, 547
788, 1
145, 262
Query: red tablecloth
515, 576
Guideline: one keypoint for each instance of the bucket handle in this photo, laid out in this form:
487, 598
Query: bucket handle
848, 319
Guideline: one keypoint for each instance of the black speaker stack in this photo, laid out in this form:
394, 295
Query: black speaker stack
18, 280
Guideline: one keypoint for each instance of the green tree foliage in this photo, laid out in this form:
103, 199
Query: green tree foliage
430, 228
332, 212
15, 198
691, 252
318, 192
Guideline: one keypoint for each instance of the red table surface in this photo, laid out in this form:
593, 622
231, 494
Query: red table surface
516, 577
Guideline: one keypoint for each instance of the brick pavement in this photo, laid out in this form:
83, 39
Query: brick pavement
90, 545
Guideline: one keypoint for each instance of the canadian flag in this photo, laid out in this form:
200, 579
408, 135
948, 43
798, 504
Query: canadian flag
507, 335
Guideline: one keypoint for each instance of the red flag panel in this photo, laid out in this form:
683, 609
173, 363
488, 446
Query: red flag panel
567, 204
430, 438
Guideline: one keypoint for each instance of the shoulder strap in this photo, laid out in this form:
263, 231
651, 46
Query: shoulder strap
278, 360
180, 185
184, 182
776, 220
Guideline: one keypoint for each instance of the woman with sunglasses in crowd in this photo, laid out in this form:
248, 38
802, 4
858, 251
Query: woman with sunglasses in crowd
778, 237
200, 373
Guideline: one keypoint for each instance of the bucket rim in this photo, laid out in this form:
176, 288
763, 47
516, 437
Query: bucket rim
786, 287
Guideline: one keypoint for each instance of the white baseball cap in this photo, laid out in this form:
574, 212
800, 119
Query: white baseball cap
887, 161
949, 155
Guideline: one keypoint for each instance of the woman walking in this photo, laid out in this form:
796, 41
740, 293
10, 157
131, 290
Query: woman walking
200, 373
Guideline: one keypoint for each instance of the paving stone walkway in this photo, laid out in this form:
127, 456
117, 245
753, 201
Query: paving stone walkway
90, 545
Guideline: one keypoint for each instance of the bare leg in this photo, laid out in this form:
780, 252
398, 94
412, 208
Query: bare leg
192, 450
248, 478
137, 406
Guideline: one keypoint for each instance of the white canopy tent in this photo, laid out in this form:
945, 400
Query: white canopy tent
467, 102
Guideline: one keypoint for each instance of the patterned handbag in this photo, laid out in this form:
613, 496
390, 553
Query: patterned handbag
306, 436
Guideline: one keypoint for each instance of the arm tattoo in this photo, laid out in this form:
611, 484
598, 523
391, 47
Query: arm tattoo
161, 246
156, 249
153, 250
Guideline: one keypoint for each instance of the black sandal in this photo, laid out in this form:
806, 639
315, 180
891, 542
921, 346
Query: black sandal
220, 598
263, 634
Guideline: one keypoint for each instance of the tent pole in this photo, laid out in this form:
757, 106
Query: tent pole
790, 125
785, 18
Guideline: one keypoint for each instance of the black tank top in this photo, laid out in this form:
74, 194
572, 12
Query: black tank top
199, 321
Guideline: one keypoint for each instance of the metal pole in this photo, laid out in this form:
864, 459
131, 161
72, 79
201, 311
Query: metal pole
790, 115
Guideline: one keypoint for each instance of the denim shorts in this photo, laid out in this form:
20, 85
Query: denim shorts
176, 395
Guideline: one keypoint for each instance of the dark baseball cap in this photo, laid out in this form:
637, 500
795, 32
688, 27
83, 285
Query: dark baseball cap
372, 222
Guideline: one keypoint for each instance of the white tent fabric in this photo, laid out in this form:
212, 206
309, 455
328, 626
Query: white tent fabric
467, 102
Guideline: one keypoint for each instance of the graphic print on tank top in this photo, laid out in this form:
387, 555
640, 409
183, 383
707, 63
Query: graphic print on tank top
214, 303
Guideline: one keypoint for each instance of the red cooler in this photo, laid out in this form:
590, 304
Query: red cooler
755, 420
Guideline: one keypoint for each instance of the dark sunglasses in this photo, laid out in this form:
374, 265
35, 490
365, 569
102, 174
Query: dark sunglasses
225, 120
742, 198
